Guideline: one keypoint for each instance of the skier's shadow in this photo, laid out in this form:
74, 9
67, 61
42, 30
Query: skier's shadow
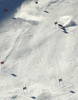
64, 30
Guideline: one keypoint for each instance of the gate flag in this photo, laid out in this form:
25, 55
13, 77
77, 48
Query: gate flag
2, 62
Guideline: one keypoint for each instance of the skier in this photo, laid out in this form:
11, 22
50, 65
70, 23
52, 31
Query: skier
60, 26
55, 23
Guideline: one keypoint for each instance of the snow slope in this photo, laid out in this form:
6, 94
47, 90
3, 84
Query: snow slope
36, 53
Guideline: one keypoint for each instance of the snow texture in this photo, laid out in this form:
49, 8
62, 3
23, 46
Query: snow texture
36, 52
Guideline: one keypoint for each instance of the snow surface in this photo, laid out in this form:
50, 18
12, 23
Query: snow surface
36, 52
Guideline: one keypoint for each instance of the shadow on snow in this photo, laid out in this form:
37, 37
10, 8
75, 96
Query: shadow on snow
64, 30
72, 91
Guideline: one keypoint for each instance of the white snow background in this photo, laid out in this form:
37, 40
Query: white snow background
36, 52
